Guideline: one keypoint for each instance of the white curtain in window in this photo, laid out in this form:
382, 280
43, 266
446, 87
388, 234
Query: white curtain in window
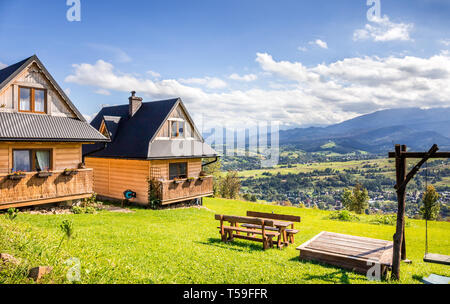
43, 160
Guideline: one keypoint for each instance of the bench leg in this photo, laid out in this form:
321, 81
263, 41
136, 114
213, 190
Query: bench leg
271, 242
291, 238
265, 243
279, 241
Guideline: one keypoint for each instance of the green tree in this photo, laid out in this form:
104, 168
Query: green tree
230, 185
356, 200
430, 208
214, 169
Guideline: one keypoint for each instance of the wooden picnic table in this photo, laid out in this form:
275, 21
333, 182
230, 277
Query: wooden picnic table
281, 227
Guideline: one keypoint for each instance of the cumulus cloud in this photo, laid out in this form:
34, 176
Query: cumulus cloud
103, 92
154, 74
300, 95
445, 42
208, 82
246, 78
2, 65
319, 43
382, 30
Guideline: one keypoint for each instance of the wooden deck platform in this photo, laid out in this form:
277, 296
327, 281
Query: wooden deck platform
348, 252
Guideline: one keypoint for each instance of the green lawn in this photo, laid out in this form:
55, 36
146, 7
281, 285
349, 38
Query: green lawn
183, 246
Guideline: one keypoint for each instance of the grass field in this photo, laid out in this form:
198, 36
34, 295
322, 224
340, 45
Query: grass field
183, 246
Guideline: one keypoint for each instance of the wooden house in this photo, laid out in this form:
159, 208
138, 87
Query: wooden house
41, 138
155, 141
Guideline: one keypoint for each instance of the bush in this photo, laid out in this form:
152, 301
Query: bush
344, 216
81, 210
12, 213
89, 210
389, 219
77, 210
383, 220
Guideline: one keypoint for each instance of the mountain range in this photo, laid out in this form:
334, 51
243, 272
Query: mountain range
377, 132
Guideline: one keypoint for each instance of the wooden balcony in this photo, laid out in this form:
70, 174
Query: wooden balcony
172, 192
33, 190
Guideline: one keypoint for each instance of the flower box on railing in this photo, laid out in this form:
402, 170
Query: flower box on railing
44, 174
70, 172
16, 176
178, 181
190, 180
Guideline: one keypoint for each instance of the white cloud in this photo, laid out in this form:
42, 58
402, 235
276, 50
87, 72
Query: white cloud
297, 94
302, 49
319, 43
2, 65
103, 92
246, 78
382, 29
208, 82
67, 91
154, 74
445, 42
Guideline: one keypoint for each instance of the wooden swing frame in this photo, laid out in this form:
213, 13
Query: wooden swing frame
402, 180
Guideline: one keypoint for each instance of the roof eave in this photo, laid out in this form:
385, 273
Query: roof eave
15, 139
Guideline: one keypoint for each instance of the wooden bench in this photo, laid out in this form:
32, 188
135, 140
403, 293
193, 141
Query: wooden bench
290, 232
266, 236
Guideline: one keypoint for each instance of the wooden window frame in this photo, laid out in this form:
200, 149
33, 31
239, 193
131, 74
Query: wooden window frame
33, 158
32, 100
177, 163
178, 129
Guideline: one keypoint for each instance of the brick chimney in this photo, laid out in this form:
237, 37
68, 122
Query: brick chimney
134, 103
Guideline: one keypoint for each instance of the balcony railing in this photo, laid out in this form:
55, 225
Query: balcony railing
31, 189
185, 189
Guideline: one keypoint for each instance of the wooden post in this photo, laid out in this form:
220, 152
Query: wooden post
400, 164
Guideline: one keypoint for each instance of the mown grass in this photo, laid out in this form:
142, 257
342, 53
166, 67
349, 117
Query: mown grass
183, 246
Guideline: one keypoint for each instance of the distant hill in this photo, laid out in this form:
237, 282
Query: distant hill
376, 132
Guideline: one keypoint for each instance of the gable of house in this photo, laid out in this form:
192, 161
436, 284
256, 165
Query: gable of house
158, 130
33, 107
30, 74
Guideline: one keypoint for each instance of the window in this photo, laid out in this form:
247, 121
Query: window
32, 100
177, 129
181, 128
31, 160
22, 160
174, 129
177, 170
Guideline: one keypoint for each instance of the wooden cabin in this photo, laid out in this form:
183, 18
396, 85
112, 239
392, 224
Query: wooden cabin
41, 138
155, 141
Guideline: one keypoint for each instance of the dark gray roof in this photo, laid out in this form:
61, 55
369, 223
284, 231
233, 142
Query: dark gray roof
132, 137
38, 127
8, 73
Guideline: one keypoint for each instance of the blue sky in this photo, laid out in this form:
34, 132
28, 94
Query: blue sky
297, 62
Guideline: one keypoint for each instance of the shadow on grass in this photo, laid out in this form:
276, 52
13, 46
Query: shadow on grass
232, 245
338, 275
417, 278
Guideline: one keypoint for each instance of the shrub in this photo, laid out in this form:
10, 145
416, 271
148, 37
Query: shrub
85, 210
389, 219
153, 193
89, 210
344, 216
12, 213
77, 210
